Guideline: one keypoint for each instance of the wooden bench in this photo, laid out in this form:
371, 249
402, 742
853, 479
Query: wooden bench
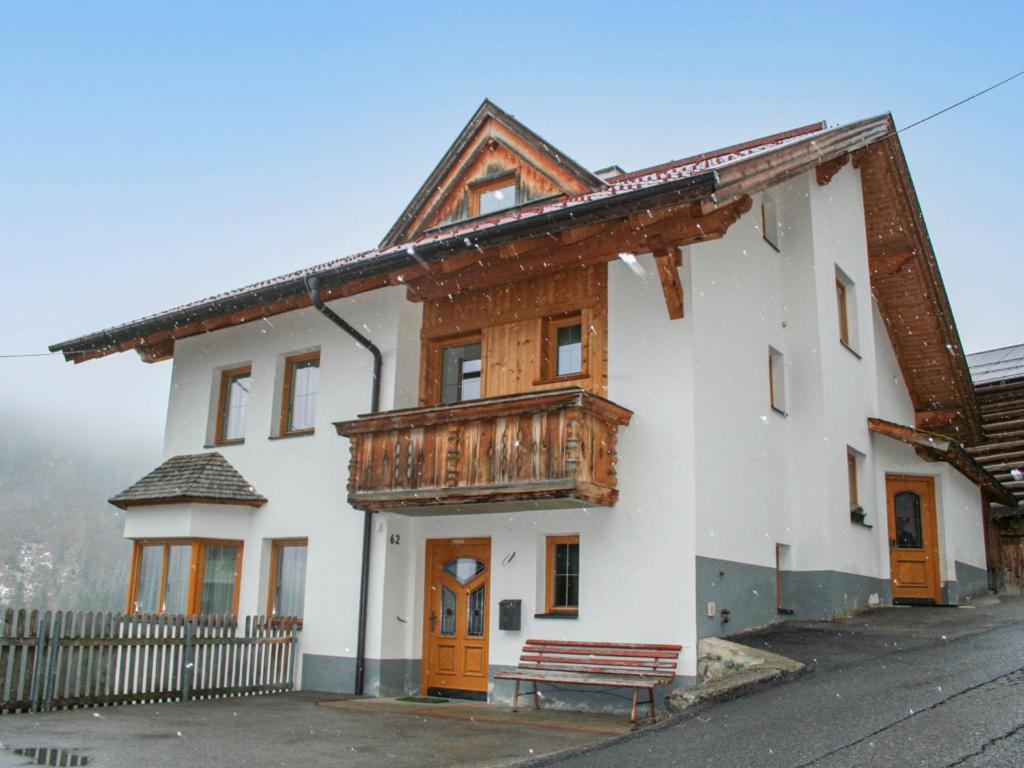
619, 665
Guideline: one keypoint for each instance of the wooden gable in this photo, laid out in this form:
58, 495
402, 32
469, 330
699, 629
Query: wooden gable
493, 149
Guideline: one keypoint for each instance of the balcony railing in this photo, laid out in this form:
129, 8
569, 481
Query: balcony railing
551, 449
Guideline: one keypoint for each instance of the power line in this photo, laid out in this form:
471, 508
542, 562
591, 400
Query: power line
31, 354
962, 101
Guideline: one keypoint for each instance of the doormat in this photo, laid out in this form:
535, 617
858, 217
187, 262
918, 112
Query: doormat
423, 699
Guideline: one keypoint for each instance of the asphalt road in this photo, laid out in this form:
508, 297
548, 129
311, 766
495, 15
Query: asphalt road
895, 687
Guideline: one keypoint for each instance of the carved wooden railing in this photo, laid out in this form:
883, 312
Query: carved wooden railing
556, 447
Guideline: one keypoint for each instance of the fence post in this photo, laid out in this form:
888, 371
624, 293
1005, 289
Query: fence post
186, 662
50, 676
291, 661
38, 661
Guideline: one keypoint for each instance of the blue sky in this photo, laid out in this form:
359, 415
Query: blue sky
154, 153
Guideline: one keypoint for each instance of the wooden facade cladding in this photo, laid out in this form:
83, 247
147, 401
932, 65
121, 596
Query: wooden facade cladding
554, 448
512, 323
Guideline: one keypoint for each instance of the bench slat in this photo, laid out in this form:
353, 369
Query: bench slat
614, 681
617, 646
593, 661
592, 651
598, 670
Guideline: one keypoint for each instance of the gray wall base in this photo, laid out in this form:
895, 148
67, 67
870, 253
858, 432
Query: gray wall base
578, 697
337, 674
970, 582
748, 593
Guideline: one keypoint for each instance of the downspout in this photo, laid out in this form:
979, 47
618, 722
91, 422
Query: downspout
313, 286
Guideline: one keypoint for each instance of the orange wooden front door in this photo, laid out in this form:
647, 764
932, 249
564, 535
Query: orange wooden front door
913, 538
455, 617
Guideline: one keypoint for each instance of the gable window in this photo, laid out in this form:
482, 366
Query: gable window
492, 196
777, 380
298, 399
287, 577
233, 405
185, 576
770, 222
461, 371
563, 574
846, 308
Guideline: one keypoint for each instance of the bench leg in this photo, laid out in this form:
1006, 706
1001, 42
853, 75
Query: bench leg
536, 697
632, 712
515, 698
654, 715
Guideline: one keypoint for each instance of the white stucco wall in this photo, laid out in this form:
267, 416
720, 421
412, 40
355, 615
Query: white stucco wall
706, 468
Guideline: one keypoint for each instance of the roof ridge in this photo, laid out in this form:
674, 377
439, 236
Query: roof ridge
774, 137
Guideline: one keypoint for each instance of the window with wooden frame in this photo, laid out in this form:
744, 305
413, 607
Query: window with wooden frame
286, 594
492, 195
299, 392
565, 350
562, 588
770, 222
851, 475
846, 307
777, 380
844, 318
186, 576
455, 370
233, 405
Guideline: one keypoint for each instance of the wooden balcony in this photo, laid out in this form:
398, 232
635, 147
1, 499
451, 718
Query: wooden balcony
549, 449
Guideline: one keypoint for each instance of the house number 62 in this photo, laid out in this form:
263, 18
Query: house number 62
395, 538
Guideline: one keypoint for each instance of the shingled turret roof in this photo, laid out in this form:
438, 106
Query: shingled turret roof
200, 477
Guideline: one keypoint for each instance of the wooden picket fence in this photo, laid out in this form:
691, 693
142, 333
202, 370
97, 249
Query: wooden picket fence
64, 659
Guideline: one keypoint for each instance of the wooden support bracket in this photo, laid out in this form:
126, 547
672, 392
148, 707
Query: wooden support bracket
668, 261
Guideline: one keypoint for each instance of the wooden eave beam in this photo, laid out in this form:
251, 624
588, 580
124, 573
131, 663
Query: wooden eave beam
939, 448
931, 361
668, 261
670, 229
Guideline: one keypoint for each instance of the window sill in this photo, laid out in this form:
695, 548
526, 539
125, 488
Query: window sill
780, 411
225, 443
567, 379
286, 435
557, 615
850, 349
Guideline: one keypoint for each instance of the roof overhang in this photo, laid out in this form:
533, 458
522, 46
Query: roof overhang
933, 447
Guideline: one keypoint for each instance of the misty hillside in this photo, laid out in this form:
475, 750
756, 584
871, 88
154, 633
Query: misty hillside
60, 541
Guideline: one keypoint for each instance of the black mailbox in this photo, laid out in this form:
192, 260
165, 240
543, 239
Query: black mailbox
509, 613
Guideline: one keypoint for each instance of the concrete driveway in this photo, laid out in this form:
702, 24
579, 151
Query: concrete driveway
923, 687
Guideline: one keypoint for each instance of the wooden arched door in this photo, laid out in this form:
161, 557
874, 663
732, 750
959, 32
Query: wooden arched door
455, 617
913, 539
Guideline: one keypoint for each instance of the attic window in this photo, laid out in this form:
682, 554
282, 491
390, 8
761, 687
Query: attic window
495, 195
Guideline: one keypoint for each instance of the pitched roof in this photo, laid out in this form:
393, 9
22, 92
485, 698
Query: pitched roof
199, 477
697, 172
1003, 364
999, 387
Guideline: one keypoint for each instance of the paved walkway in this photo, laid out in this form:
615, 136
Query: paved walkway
301, 729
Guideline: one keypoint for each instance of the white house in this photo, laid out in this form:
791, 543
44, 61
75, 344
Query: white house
628, 407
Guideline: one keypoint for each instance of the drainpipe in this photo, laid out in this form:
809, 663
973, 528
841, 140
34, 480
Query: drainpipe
313, 286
